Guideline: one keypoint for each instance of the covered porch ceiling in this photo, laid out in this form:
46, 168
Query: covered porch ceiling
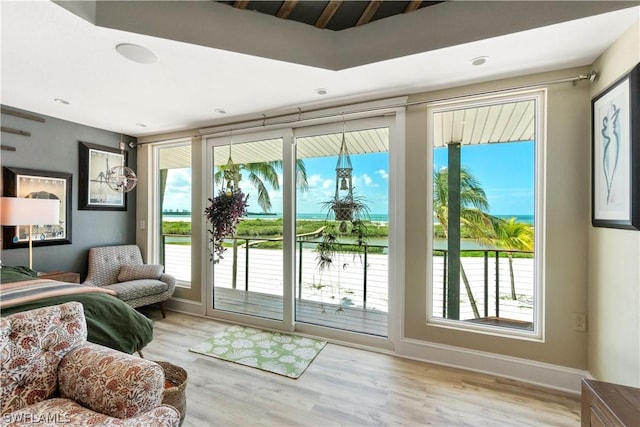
502, 122
495, 123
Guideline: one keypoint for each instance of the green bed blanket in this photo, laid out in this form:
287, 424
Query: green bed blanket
110, 321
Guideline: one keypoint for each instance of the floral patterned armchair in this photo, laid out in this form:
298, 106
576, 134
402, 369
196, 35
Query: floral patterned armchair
50, 375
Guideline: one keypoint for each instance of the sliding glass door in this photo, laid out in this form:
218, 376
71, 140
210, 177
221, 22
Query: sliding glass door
248, 265
342, 228
313, 246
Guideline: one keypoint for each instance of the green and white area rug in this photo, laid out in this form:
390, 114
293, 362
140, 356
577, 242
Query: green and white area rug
283, 354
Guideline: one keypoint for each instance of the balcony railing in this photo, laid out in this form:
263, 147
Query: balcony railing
490, 278
366, 279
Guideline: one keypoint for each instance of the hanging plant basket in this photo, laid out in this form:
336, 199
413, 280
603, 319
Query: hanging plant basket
223, 214
343, 210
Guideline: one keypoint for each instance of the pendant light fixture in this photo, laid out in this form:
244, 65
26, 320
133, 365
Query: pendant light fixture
122, 178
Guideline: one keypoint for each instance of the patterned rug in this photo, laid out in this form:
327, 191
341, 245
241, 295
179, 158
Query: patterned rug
282, 354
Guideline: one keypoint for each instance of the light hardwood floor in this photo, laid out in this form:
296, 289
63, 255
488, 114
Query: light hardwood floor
348, 387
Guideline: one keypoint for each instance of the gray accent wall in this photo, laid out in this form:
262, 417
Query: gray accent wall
54, 146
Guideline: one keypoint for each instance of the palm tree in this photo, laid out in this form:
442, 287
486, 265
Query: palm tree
261, 175
516, 236
473, 213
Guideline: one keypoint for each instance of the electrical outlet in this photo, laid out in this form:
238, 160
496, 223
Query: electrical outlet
579, 321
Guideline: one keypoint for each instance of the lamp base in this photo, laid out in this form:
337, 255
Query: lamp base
30, 250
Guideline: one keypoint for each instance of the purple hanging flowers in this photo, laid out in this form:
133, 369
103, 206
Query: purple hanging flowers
224, 213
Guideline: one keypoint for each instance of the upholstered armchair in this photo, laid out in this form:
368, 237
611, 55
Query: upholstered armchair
52, 376
120, 268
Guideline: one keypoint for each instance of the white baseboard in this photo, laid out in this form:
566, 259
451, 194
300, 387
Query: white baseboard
185, 306
533, 372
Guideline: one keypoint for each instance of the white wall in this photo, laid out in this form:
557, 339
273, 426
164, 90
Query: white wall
614, 260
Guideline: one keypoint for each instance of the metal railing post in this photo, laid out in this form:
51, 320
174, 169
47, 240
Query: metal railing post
300, 271
486, 283
497, 284
246, 265
444, 286
162, 249
364, 296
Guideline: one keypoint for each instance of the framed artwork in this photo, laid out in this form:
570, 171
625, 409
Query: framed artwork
96, 162
615, 176
38, 184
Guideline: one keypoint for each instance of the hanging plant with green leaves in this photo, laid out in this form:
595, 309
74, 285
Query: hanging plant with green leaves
223, 215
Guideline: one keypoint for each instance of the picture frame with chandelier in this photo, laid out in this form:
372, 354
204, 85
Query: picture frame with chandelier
33, 184
616, 154
98, 167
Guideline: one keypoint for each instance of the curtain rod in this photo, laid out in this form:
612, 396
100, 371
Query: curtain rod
591, 76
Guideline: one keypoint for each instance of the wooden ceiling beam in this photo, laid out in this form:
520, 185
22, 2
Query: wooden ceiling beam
241, 4
368, 13
330, 9
286, 8
413, 5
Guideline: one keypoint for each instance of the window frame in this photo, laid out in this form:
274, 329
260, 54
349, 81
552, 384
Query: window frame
539, 96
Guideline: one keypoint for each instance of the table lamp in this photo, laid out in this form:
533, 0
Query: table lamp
21, 211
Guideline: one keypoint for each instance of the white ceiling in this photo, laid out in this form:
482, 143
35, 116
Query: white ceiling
49, 52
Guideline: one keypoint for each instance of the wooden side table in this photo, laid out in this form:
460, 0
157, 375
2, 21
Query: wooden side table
606, 404
61, 276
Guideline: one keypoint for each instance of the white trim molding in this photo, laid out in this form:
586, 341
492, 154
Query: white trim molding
542, 374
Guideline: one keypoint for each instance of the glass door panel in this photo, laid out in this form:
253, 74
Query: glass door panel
248, 275
342, 230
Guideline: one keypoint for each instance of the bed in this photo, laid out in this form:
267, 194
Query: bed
110, 321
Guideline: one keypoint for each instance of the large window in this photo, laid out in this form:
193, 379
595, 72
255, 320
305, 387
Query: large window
486, 164
174, 233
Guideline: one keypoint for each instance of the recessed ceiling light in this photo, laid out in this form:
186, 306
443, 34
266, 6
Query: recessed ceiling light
321, 91
141, 125
479, 60
220, 111
136, 53
61, 101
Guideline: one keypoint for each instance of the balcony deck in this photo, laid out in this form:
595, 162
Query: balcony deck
370, 321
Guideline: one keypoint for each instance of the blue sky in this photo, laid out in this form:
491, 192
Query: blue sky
505, 171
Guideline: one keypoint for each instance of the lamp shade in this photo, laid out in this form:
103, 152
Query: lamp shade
21, 211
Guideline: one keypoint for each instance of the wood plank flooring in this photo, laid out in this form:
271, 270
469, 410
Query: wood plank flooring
348, 387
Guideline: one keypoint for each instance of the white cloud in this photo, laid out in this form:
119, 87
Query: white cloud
327, 183
314, 180
367, 179
383, 174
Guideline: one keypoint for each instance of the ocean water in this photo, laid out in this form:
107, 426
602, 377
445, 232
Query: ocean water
527, 219
323, 216
306, 216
